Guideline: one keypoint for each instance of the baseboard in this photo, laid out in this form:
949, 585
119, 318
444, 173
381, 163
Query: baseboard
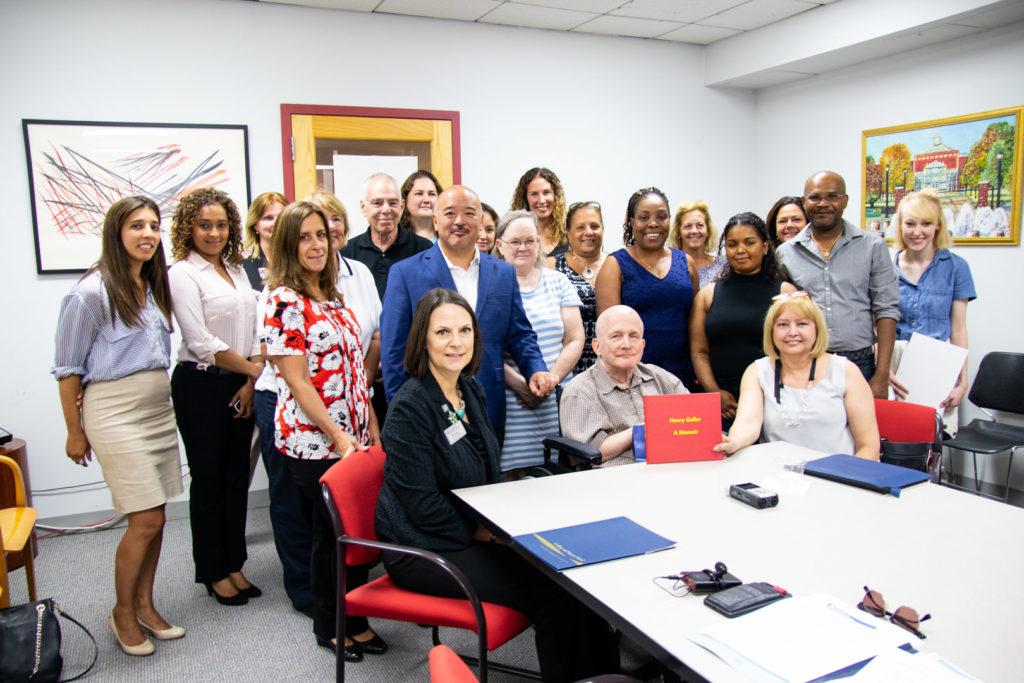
259, 498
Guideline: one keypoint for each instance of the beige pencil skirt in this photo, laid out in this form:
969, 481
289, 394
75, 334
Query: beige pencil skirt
130, 426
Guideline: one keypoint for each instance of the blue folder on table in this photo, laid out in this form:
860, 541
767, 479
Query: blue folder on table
593, 542
866, 474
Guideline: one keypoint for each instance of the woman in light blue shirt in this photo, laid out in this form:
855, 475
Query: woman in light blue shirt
935, 284
113, 342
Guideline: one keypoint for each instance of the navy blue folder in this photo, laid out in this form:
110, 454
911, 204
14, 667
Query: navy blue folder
607, 539
866, 474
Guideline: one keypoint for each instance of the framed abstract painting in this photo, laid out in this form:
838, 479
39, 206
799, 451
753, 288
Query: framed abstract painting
77, 169
973, 162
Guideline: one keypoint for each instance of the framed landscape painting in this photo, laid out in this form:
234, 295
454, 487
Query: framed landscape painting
77, 169
973, 162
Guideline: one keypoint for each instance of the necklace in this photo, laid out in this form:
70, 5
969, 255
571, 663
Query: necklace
657, 273
455, 415
825, 253
588, 271
792, 419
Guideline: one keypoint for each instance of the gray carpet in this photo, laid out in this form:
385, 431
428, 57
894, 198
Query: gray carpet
265, 640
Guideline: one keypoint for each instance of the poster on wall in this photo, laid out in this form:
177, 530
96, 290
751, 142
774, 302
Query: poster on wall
77, 169
973, 162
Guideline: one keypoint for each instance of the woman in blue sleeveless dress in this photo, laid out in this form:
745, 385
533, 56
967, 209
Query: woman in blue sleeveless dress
655, 280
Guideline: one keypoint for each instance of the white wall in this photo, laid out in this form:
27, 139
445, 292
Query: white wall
816, 123
608, 114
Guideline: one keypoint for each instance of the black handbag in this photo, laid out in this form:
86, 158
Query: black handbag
30, 643
912, 455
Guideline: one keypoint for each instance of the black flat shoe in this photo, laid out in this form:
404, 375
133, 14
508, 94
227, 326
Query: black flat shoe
238, 599
373, 646
353, 653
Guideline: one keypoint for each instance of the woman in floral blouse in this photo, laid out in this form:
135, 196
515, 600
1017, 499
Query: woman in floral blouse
322, 409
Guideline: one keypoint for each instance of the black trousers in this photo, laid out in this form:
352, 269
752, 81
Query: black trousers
572, 642
323, 563
290, 512
217, 448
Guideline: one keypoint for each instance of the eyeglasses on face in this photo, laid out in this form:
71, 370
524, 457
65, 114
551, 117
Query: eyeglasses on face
791, 295
517, 244
904, 617
831, 198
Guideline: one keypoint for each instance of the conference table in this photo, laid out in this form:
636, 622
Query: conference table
940, 551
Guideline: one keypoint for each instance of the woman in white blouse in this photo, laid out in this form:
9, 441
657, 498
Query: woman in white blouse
114, 342
212, 385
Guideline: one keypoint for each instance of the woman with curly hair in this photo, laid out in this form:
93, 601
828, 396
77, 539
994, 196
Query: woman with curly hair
693, 232
540, 191
212, 385
114, 343
658, 282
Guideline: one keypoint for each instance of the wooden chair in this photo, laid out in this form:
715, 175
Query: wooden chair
17, 524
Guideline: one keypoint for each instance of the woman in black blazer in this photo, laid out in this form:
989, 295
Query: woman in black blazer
438, 437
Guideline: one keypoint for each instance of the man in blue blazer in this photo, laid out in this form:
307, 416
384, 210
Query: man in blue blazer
489, 285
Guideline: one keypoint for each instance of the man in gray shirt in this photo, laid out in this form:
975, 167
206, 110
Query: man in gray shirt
849, 274
600, 406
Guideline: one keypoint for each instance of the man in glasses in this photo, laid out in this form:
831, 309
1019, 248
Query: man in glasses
849, 274
600, 406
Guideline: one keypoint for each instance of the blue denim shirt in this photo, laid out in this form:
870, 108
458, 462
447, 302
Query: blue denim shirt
926, 307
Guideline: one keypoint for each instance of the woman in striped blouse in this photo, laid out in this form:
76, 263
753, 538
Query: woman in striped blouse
553, 308
114, 342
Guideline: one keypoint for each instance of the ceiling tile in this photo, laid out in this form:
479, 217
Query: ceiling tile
352, 5
751, 15
591, 6
627, 26
465, 10
514, 14
701, 35
674, 10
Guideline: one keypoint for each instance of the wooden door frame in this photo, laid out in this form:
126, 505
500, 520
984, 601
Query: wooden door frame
287, 147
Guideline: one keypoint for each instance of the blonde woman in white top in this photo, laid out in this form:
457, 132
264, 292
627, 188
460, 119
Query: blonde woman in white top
212, 385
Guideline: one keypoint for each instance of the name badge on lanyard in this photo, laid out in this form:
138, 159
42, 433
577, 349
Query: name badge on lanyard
455, 432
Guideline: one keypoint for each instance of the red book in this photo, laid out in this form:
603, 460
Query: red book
683, 427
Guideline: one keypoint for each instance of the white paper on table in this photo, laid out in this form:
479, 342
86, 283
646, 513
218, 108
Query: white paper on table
800, 639
900, 665
929, 369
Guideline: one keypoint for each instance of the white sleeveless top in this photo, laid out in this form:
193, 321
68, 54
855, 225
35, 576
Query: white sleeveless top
814, 418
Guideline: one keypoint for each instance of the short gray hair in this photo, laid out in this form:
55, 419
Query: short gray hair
508, 219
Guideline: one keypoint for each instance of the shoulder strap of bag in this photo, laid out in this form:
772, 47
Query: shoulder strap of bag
95, 647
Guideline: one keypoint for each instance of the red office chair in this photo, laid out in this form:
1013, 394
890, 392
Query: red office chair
448, 667
350, 488
912, 434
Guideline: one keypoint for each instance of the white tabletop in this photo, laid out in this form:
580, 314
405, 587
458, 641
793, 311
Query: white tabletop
937, 550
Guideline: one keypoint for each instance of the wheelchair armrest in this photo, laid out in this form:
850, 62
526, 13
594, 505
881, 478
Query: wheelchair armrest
572, 448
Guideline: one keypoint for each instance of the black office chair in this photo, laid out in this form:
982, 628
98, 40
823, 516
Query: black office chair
573, 456
998, 386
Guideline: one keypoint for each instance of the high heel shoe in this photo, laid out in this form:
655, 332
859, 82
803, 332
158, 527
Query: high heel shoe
172, 633
239, 598
252, 591
144, 648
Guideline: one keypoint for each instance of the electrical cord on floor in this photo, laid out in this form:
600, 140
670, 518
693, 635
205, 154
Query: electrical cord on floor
96, 526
